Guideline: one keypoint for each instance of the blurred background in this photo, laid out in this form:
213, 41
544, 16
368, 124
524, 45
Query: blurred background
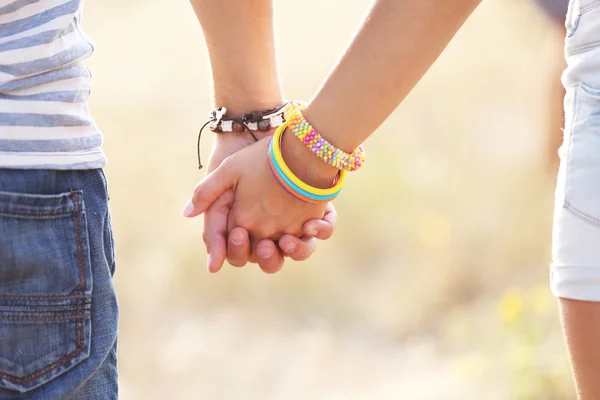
435, 285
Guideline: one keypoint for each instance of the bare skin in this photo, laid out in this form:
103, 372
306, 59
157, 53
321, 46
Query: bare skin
581, 326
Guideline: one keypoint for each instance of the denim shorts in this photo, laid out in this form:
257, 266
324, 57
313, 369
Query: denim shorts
58, 308
576, 233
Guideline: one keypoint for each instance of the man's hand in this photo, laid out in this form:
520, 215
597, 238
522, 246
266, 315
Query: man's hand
236, 247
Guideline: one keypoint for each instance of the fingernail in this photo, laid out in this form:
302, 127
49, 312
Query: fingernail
311, 231
208, 262
265, 252
188, 209
289, 248
238, 239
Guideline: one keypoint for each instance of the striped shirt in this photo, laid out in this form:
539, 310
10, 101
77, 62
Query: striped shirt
44, 87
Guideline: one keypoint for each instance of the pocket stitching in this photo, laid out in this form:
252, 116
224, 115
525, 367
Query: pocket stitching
581, 48
573, 28
593, 5
24, 298
108, 226
566, 203
62, 205
572, 25
34, 216
80, 309
43, 319
82, 277
583, 215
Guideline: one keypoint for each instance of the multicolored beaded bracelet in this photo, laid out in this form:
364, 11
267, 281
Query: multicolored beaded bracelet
317, 144
291, 183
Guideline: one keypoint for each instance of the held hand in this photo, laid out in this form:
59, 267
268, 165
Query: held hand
236, 248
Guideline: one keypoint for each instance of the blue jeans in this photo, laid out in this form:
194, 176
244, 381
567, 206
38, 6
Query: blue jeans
58, 308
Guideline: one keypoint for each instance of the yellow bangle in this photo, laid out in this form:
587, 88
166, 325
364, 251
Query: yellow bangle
280, 165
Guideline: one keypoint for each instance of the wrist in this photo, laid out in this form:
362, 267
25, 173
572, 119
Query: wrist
242, 137
252, 93
304, 164
340, 131
239, 103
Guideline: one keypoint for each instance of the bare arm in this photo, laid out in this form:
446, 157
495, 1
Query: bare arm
397, 43
581, 327
240, 42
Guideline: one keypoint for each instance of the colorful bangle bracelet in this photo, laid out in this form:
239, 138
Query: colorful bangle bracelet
293, 189
291, 183
286, 170
317, 144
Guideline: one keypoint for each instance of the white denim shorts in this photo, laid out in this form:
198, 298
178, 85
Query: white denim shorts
576, 235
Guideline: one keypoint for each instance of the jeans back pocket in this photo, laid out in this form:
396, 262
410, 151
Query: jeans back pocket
45, 287
582, 26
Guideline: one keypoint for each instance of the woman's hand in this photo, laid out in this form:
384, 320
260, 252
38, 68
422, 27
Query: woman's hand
236, 246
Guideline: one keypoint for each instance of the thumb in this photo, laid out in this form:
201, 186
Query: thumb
209, 190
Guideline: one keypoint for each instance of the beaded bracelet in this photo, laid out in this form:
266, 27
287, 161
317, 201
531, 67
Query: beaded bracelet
291, 183
317, 144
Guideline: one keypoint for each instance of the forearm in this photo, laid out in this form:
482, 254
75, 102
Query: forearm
240, 40
397, 43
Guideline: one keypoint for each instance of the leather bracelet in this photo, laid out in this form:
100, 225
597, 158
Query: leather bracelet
256, 120
220, 122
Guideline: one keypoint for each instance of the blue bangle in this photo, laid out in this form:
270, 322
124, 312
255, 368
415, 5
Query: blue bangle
291, 185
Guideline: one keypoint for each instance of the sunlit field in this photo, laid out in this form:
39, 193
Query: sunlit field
434, 285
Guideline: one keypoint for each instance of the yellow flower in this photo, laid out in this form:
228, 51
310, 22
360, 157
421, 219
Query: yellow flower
541, 299
511, 305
